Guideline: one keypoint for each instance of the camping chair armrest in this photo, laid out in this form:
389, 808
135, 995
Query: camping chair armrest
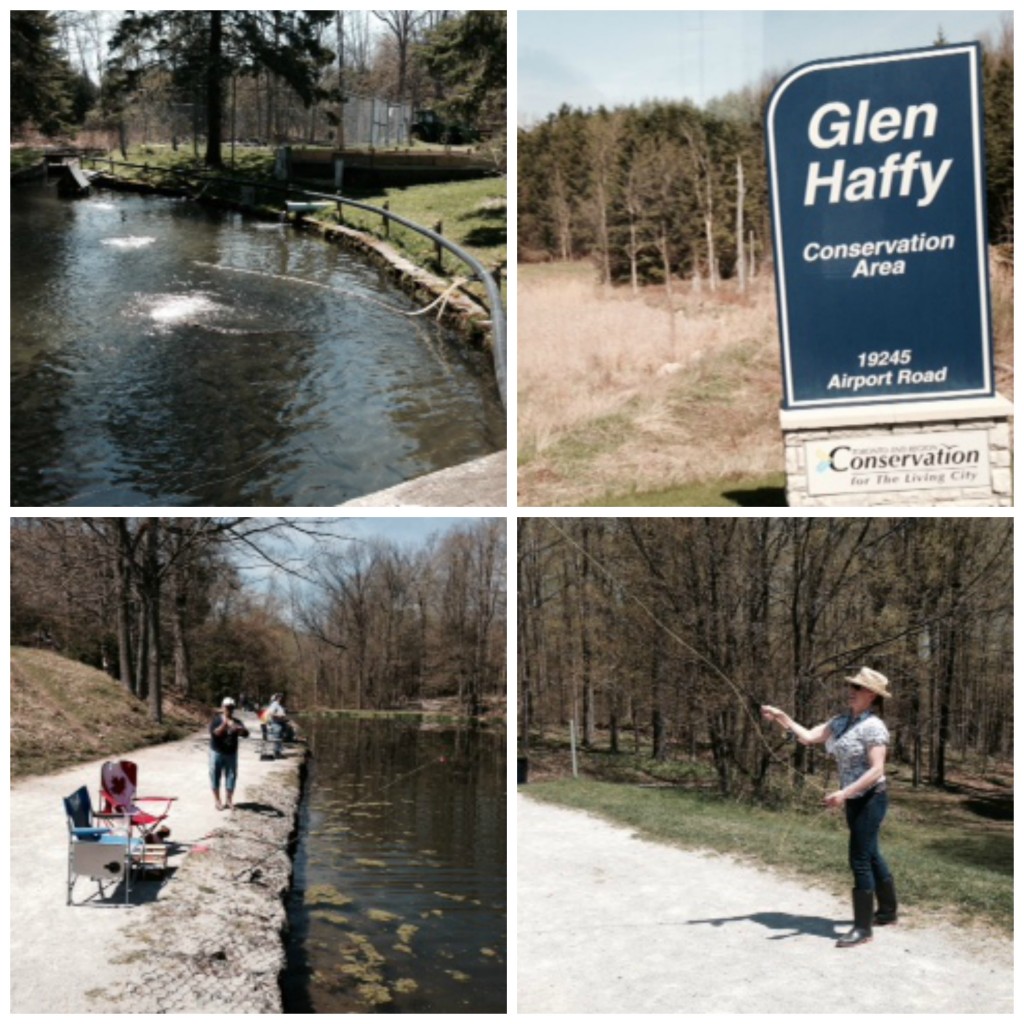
90, 834
113, 821
160, 812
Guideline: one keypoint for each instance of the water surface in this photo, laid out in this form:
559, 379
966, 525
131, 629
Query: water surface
399, 902
164, 354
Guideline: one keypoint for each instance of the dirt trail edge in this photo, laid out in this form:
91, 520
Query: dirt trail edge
610, 923
206, 938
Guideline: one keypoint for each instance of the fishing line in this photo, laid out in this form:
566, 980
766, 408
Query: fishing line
394, 782
743, 696
443, 298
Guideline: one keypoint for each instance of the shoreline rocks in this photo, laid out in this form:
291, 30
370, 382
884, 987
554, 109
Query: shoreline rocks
217, 944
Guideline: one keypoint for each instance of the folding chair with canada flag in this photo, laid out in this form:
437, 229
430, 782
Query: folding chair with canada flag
119, 798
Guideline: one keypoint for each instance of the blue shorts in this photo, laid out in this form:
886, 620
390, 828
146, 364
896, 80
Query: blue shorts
226, 765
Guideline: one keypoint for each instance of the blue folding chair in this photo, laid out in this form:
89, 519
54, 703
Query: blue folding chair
103, 854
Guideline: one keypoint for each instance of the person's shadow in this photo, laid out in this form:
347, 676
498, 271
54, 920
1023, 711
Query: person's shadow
264, 810
790, 924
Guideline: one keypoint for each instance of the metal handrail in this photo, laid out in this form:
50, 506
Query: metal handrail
497, 310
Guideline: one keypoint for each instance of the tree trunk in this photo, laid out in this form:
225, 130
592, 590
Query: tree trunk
214, 100
124, 582
634, 283
151, 580
179, 628
340, 20
585, 651
142, 651
709, 224
741, 263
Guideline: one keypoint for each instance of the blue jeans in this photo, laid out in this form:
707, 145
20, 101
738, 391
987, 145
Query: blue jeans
226, 765
277, 735
864, 816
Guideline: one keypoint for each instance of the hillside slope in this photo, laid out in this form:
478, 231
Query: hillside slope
65, 713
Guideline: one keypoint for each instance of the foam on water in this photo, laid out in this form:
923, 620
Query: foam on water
172, 309
128, 241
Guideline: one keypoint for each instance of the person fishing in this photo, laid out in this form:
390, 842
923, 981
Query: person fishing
858, 741
225, 731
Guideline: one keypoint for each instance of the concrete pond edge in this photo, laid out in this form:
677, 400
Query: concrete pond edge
218, 945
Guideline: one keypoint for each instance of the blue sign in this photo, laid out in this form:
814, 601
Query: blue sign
877, 183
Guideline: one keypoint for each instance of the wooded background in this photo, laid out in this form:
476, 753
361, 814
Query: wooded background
663, 636
168, 601
669, 190
260, 76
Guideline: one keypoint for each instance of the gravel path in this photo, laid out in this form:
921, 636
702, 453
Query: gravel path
89, 959
610, 923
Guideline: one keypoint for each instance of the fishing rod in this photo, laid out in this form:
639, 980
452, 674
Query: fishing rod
277, 847
442, 759
744, 696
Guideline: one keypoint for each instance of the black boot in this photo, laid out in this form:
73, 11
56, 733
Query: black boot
863, 911
886, 913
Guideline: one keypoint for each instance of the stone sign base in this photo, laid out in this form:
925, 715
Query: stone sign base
949, 453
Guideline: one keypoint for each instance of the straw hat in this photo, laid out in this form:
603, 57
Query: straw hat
871, 680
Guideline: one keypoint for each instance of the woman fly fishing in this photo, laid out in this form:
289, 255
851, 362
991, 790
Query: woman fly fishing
858, 741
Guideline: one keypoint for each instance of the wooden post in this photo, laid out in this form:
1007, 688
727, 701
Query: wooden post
341, 213
387, 220
439, 228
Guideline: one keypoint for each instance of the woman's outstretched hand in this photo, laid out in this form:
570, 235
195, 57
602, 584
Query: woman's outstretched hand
836, 799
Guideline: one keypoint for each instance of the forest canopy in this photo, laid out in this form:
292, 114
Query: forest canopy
167, 602
255, 76
670, 188
665, 635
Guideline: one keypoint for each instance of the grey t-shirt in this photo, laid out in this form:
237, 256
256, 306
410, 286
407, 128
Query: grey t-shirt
850, 742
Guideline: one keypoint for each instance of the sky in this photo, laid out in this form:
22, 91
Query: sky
618, 58
408, 532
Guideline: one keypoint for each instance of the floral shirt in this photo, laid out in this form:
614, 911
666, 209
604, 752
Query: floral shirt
850, 742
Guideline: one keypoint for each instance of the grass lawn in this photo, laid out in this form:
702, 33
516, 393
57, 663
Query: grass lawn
23, 157
763, 492
473, 215
942, 860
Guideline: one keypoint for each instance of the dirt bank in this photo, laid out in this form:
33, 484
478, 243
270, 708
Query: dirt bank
205, 939
609, 923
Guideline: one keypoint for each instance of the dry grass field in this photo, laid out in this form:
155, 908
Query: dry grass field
618, 398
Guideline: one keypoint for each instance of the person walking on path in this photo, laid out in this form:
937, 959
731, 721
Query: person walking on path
858, 741
225, 731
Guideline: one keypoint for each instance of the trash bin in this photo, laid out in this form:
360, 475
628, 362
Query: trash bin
522, 770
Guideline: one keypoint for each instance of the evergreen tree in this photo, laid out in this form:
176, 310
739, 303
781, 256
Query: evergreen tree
202, 48
468, 57
41, 78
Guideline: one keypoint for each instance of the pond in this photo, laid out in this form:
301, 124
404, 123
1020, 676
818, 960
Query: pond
167, 354
399, 902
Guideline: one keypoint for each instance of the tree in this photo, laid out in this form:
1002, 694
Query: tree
41, 78
700, 620
403, 26
467, 56
283, 43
